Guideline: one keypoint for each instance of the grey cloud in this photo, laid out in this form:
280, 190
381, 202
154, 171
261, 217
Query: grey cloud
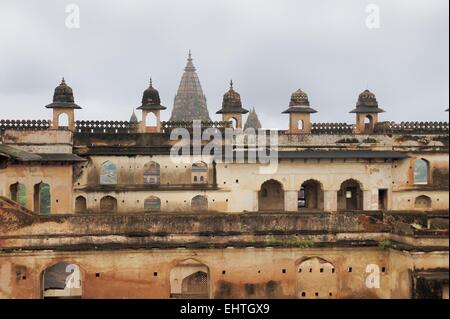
269, 48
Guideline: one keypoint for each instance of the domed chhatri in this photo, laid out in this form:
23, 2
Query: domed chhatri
150, 99
366, 113
299, 103
151, 104
367, 103
299, 113
63, 97
232, 102
232, 107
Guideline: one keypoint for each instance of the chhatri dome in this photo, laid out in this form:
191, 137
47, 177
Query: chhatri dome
63, 97
232, 102
299, 103
150, 99
367, 103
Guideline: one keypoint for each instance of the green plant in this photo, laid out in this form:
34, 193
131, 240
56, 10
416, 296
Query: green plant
386, 243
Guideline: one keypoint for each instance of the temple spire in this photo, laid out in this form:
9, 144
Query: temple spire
190, 65
190, 102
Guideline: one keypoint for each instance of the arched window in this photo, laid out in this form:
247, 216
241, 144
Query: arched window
42, 198
199, 173
421, 172
199, 203
62, 280
18, 193
271, 196
368, 123
108, 174
150, 120
197, 283
152, 173
63, 120
80, 204
422, 202
108, 204
189, 279
350, 196
152, 204
234, 122
310, 195
300, 124
316, 279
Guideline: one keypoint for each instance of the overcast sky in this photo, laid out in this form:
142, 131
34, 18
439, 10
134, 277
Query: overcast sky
269, 49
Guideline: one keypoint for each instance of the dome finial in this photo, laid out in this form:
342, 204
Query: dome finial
189, 55
63, 81
231, 84
151, 83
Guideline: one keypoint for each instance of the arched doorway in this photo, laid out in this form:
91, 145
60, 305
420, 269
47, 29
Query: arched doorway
62, 281
199, 203
350, 196
18, 193
271, 196
152, 173
108, 204
310, 195
368, 123
42, 198
80, 204
316, 279
422, 202
63, 121
190, 280
152, 204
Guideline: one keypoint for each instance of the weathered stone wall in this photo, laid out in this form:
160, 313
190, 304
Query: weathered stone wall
59, 177
233, 272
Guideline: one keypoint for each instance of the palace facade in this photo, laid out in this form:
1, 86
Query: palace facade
99, 209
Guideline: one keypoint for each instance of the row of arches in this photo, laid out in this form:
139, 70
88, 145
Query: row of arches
316, 277
188, 279
152, 173
151, 204
310, 196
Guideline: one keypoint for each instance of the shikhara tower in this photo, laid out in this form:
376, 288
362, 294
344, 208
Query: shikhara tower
190, 102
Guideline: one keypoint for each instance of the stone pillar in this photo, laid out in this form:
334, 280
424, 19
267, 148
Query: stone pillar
370, 199
290, 201
330, 200
255, 201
